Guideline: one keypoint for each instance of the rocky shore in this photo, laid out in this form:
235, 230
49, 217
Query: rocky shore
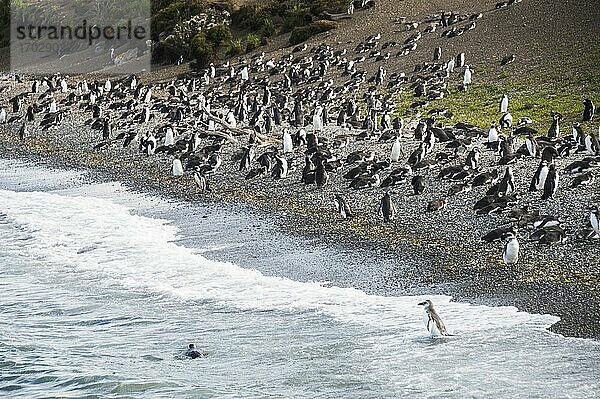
437, 252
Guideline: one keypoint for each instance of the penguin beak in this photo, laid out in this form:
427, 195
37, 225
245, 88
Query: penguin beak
422, 303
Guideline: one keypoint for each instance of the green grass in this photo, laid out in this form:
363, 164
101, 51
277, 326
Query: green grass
534, 92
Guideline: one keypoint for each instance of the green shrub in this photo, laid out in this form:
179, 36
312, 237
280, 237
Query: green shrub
297, 16
202, 50
268, 28
332, 6
303, 33
252, 42
218, 35
236, 47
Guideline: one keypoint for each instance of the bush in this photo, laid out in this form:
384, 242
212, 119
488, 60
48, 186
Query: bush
297, 16
332, 6
202, 50
235, 48
268, 28
303, 33
252, 42
165, 19
218, 35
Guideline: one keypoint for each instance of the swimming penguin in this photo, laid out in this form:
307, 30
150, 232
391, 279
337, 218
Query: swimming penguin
342, 207
194, 353
177, 167
433, 322
539, 178
504, 103
551, 183
595, 219
396, 150
387, 209
321, 175
588, 110
510, 255
417, 185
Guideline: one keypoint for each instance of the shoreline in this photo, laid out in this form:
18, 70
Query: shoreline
425, 265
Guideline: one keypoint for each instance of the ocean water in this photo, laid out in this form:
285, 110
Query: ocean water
102, 289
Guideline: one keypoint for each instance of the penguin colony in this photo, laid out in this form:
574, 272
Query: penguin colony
284, 120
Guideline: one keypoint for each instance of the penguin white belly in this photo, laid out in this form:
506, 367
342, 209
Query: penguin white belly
177, 168
542, 180
595, 222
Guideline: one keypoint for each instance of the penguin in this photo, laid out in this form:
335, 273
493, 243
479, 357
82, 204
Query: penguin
532, 146
460, 60
539, 178
437, 54
106, 130
467, 76
551, 183
417, 185
588, 110
23, 132
510, 255
506, 186
595, 219
2, 115
169, 136
342, 207
200, 180
177, 167
280, 170
194, 353
504, 104
396, 151
288, 145
417, 155
247, 158
321, 175
592, 146
436, 205
387, 209
506, 120
554, 130
433, 322
472, 160
493, 138
150, 144
53, 107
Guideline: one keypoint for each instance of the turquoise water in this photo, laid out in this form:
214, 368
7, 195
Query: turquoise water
101, 290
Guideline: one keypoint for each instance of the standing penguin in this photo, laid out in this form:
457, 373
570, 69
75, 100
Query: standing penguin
437, 54
588, 110
342, 207
507, 184
510, 255
467, 76
23, 131
551, 183
504, 104
492, 141
472, 160
595, 219
318, 119
321, 175
433, 322
554, 130
288, 145
460, 60
2, 115
532, 146
200, 180
177, 167
592, 147
396, 150
387, 209
539, 178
